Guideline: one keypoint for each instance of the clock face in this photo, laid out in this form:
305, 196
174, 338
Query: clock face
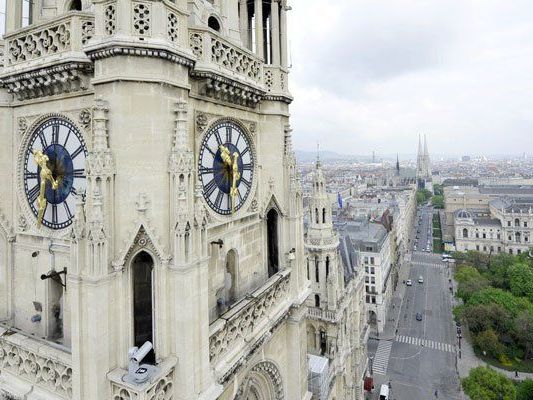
226, 182
62, 143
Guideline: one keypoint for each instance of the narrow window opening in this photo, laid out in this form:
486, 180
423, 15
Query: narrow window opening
273, 246
142, 266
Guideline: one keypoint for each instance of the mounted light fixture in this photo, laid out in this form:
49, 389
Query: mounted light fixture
55, 276
219, 242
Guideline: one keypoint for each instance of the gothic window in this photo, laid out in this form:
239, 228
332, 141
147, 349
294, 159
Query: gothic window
213, 23
317, 271
273, 245
75, 5
465, 233
327, 266
141, 267
323, 215
317, 300
230, 278
323, 343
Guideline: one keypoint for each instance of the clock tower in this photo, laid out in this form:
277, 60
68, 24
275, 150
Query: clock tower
150, 201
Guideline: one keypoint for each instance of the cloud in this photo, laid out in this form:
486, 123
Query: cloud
372, 74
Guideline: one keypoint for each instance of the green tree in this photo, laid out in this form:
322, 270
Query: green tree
498, 270
523, 329
470, 281
507, 300
438, 190
438, 201
483, 383
481, 317
488, 341
521, 280
525, 390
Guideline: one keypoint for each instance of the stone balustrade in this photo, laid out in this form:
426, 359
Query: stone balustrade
320, 314
249, 319
35, 362
50, 39
276, 80
219, 55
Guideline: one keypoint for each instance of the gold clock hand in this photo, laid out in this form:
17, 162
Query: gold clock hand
41, 160
225, 155
235, 176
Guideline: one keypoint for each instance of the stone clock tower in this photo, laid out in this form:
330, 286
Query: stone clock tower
149, 194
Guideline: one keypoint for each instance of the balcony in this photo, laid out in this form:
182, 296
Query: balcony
320, 314
47, 58
250, 320
35, 362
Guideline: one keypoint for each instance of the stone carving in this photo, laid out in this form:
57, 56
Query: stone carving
196, 43
269, 80
162, 389
110, 19
23, 125
201, 122
172, 27
52, 39
268, 370
23, 224
241, 325
141, 19
221, 88
252, 127
87, 31
85, 117
46, 372
230, 57
254, 205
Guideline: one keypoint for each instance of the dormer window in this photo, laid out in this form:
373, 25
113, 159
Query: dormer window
213, 23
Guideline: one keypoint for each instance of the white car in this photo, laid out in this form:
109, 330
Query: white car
420, 279
409, 282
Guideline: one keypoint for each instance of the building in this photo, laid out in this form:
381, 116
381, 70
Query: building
336, 327
506, 228
423, 166
149, 194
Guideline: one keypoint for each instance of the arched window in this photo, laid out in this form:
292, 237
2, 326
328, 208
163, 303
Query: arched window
316, 215
317, 300
273, 245
516, 222
323, 343
323, 215
230, 279
517, 237
75, 5
465, 233
317, 271
327, 267
141, 268
213, 23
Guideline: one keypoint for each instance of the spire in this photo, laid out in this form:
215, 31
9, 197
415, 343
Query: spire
397, 165
318, 165
426, 153
419, 145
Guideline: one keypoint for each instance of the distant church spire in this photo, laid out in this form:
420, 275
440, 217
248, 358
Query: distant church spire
397, 165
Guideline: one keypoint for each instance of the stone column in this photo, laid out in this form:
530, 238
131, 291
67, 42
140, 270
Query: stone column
275, 32
243, 22
13, 15
283, 35
259, 46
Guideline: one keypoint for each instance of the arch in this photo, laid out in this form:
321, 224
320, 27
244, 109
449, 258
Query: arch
517, 237
74, 5
323, 342
213, 23
142, 267
465, 233
273, 242
517, 222
263, 382
372, 317
230, 278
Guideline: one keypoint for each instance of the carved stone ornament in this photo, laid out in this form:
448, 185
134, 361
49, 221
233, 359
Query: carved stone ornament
23, 125
161, 389
85, 117
251, 385
201, 122
254, 205
252, 127
23, 224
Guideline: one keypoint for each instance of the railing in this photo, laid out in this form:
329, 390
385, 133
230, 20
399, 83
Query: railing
39, 364
219, 55
49, 39
249, 317
318, 313
159, 388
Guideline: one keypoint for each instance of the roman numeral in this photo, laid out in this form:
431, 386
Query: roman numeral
34, 193
217, 137
246, 183
55, 133
238, 138
206, 170
42, 138
66, 139
54, 213
30, 175
67, 210
78, 173
73, 190
247, 167
220, 197
228, 134
210, 188
211, 151
76, 152
246, 150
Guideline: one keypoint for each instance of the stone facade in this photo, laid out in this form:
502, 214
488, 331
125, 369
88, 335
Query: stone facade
141, 254
423, 167
336, 324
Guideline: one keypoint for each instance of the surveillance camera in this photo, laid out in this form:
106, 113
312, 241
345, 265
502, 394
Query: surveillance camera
141, 352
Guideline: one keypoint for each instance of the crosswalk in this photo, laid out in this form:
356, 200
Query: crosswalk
381, 359
428, 264
426, 343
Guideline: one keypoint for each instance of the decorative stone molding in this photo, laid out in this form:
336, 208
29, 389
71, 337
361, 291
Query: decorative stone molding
181, 157
201, 122
172, 27
268, 370
5, 227
141, 15
48, 81
113, 51
239, 323
161, 389
22, 223
254, 206
141, 237
225, 89
85, 118
39, 367
87, 31
110, 19
23, 125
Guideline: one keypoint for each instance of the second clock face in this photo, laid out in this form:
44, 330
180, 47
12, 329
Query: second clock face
220, 174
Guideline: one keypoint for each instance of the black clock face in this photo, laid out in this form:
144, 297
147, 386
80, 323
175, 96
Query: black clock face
226, 182
63, 144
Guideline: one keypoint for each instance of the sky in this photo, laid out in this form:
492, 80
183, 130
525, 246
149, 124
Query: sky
371, 75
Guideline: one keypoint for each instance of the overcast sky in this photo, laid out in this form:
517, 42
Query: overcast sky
372, 74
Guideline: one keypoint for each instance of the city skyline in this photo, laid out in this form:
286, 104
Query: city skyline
380, 74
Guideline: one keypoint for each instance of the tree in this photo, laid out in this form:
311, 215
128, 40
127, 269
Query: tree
525, 390
438, 190
470, 281
523, 327
521, 280
438, 201
488, 341
512, 304
481, 317
498, 270
483, 383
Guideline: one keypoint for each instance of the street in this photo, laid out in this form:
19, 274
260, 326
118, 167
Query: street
419, 357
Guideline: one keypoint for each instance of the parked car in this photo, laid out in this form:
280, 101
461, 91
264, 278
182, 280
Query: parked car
420, 279
409, 282
418, 316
